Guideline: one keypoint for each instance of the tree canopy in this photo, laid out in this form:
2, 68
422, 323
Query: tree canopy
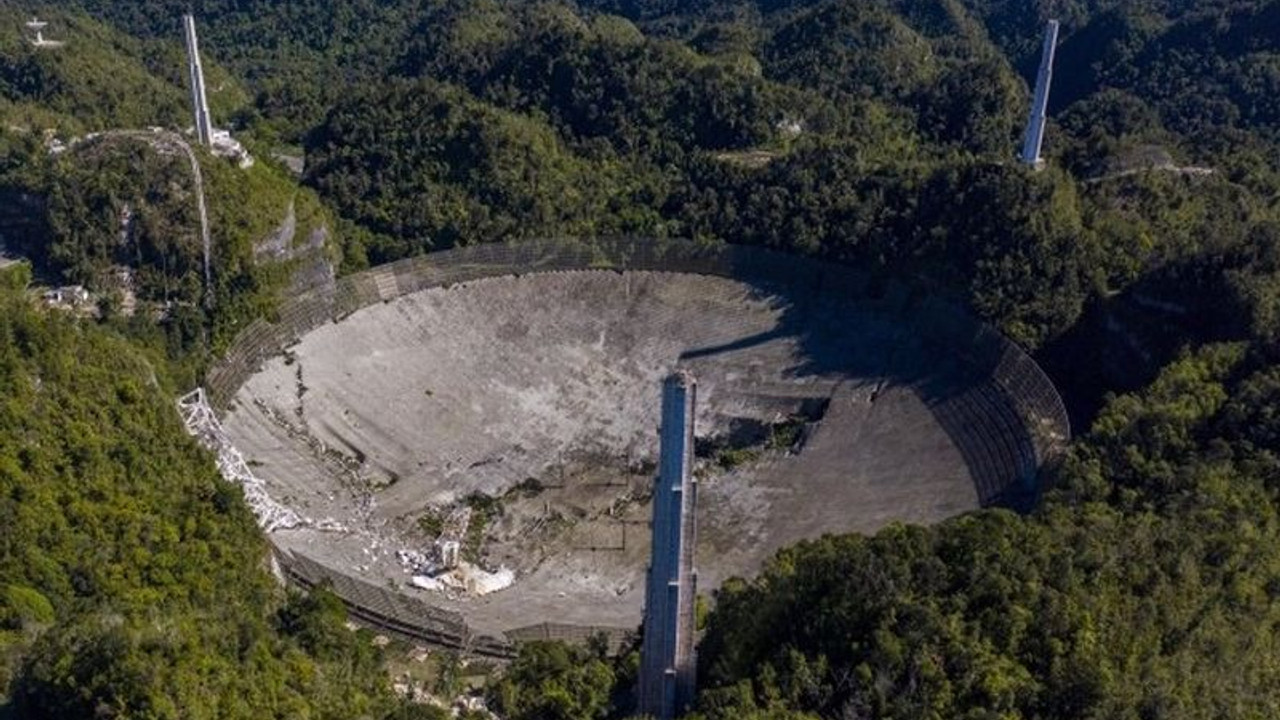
1141, 266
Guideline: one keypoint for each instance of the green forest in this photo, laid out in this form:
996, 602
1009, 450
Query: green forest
1141, 267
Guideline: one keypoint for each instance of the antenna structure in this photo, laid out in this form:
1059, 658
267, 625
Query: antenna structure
37, 26
1031, 145
199, 103
667, 657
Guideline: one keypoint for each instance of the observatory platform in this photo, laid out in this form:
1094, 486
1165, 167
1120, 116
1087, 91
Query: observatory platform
827, 403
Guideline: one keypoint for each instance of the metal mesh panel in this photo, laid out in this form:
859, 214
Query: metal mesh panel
616, 638
1007, 424
384, 608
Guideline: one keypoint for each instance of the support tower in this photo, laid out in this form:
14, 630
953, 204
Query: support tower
667, 657
1040, 103
200, 104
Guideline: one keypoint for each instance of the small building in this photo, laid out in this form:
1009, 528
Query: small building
71, 295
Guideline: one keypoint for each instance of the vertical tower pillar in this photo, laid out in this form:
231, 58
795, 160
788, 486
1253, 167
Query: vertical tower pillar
1034, 139
667, 659
199, 103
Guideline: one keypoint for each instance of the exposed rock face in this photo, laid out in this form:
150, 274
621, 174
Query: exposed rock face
313, 268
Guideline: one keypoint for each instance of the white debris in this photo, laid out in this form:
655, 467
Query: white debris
473, 704
425, 582
413, 561
440, 569
331, 525
480, 582
466, 579
202, 423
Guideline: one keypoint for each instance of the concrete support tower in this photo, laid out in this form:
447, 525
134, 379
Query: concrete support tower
667, 657
204, 125
1040, 103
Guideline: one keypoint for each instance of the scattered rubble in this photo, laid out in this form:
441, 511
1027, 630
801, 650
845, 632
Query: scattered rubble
440, 570
466, 579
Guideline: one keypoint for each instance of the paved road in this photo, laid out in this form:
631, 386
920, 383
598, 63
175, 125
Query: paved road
163, 141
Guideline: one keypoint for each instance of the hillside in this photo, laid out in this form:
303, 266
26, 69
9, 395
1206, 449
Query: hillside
132, 575
1142, 267
93, 195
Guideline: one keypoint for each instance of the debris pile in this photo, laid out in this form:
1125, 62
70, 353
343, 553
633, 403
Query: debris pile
202, 423
443, 569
